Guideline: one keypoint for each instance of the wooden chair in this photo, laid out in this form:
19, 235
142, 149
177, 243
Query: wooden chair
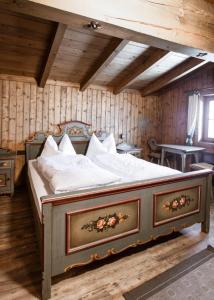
155, 154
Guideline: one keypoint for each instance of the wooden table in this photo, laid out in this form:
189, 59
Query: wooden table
183, 151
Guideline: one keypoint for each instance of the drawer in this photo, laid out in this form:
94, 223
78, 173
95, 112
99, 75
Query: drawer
5, 163
5, 180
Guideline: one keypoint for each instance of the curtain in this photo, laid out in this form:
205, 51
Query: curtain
193, 106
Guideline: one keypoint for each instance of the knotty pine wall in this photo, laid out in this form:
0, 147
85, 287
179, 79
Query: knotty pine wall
174, 102
26, 109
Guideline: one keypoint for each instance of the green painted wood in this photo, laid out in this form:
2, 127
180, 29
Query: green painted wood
205, 225
77, 131
7, 171
47, 257
55, 208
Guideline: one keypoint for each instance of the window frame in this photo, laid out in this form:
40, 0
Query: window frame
206, 101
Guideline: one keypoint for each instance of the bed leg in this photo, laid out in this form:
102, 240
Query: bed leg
46, 286
205, 226
46, 274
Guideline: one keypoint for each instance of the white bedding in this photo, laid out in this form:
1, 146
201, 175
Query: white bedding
131, 168
39, 185
123, 165
66, 173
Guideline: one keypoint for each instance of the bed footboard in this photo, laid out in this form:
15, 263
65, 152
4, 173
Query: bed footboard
90, 225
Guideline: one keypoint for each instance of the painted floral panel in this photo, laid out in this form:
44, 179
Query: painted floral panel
104, 223
176, 204
90, 227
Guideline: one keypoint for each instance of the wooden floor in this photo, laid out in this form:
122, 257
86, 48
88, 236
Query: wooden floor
107, 280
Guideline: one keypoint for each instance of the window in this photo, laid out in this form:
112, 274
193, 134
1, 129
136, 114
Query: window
206, 119
208, 133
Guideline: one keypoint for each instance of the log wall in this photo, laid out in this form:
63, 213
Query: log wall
26, 109
174, 102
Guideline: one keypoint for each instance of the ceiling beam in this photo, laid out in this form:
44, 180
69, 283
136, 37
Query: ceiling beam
177, 72
174, 32
139, 66
109, 53
55, 44
204, 68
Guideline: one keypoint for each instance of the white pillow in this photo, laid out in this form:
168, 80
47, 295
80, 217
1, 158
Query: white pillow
66, 146
110, 144
95, 147
50, 147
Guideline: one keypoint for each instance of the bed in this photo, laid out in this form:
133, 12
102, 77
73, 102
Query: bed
77, 228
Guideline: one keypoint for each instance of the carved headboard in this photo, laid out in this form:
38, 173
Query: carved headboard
77, 131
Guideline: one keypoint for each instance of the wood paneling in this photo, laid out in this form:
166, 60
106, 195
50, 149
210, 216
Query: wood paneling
139, 66
25, 108
182, 26
24, 43
77, 54
109, 53
174, 102
44, 49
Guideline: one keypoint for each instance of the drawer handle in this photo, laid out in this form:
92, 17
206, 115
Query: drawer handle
1, 180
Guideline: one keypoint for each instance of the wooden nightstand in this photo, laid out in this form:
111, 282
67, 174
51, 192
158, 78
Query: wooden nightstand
131, 149
7, 164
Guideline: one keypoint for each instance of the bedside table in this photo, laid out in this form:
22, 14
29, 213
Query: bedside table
131, 149
7, 166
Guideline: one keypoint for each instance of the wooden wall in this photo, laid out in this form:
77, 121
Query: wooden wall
26, 109
174, 102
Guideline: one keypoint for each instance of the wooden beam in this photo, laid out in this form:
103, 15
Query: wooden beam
177, 72
115, 46
172, 20
139, 66
202, 69
146, 22
58, 37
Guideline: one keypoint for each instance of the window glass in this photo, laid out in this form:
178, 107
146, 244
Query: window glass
211, 109
206, 119
211, 129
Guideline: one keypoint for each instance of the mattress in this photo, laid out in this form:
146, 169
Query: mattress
131, 168
39, 185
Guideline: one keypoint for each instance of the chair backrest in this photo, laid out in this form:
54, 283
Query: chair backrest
152, 144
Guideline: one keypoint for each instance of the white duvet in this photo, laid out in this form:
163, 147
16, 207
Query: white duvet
131, 168
72, 172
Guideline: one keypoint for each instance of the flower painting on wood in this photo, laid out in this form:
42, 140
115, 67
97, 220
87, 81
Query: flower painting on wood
177, 203
106, 222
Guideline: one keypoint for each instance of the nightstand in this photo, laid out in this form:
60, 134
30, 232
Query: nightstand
7, 166
131, 149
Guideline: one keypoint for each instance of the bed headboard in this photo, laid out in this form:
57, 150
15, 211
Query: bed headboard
76, 130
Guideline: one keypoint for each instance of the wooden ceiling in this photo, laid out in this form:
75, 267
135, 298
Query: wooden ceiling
45, 49
24, 43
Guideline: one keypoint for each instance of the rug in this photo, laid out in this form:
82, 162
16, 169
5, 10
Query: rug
191, 279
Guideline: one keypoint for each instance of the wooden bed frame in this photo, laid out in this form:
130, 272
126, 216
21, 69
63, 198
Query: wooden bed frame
80, 227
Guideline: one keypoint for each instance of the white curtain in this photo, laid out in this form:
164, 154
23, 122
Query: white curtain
193, 106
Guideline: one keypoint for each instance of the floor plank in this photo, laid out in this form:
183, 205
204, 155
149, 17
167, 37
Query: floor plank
20, 276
